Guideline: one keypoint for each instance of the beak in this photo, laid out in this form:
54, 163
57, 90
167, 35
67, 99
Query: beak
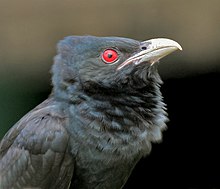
152, 51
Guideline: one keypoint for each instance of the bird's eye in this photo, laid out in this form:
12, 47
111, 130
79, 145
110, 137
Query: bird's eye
109, 56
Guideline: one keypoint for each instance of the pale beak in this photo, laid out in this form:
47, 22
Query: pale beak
152, 51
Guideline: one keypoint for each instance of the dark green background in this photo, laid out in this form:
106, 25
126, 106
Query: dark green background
29, 31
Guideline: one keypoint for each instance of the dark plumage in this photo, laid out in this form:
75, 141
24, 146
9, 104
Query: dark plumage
100, 119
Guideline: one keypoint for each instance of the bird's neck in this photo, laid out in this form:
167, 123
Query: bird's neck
135, 118
128, 120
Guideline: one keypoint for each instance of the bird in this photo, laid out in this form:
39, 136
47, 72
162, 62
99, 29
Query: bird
103, 114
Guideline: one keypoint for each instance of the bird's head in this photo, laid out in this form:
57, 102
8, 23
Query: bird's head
103, 64
113, 82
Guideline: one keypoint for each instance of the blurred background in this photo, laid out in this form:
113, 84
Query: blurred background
188, 156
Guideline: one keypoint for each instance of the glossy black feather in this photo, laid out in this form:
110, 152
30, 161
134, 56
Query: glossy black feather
95, 126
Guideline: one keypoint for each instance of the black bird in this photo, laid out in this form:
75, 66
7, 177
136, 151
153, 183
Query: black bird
104, 111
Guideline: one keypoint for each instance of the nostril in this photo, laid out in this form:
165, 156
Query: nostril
143, 48
145, 45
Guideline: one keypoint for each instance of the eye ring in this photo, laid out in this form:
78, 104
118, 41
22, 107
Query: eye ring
110, 56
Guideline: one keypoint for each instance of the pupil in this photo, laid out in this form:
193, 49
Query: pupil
109, 55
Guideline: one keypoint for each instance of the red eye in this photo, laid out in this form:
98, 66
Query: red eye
109, 56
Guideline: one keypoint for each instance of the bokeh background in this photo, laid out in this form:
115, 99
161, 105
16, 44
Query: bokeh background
188, 156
